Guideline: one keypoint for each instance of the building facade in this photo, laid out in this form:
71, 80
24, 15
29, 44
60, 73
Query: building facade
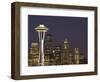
33, 57
67, 53
48, 50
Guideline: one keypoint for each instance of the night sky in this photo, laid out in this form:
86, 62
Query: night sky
72, 28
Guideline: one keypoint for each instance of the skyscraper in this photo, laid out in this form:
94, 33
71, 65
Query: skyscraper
67, 53
48, 49
57, 54
77, 56
33, 57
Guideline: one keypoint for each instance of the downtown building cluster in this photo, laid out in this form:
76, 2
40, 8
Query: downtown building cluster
55, 53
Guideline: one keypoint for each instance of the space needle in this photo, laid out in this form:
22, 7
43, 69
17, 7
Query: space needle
41, 29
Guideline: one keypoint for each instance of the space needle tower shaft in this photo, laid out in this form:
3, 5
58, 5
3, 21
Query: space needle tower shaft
41, 29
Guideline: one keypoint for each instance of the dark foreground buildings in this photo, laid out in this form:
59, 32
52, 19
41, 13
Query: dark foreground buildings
55, 53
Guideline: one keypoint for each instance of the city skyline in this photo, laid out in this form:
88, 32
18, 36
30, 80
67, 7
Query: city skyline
47, 51
55, 53
61, 26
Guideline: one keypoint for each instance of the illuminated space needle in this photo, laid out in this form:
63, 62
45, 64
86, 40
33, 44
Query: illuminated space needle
41, 29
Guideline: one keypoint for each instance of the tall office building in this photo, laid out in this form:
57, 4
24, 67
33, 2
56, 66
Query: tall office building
48, 49
77, 55
30, 57
52, 51
33, 59
57, 54
67, 53
83, 58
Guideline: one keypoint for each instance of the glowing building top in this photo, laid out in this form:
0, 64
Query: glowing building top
66, 41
